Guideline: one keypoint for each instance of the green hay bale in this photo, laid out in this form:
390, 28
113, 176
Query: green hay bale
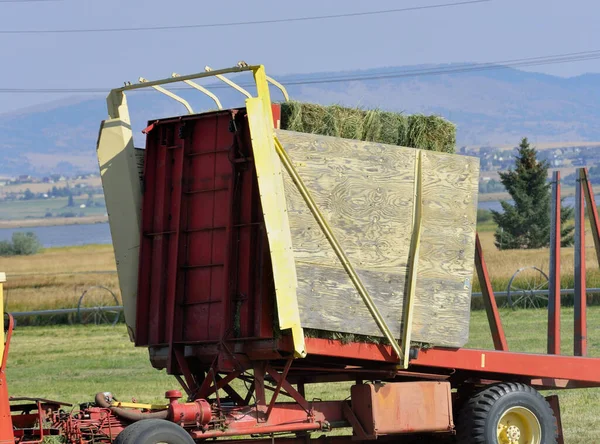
345, 122
393, 128
431, 133
372, 126
417, 131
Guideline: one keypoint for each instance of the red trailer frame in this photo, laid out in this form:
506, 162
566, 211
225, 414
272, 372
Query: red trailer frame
218, 339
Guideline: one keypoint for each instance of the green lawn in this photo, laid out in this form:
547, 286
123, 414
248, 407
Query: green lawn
72, 363
37, 208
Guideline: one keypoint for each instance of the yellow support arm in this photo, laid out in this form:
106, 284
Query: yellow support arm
173, 96
230, 83
270, 184
202, 89
413, 262
337, 248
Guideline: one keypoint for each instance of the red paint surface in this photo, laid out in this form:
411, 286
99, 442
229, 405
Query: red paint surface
489, 299
554, 290
580, 298
284, 417
405, 407
205, 272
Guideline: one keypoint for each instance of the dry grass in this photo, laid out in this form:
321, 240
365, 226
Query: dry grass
503, 264
53, 221
62, 259
33, 282
43, 187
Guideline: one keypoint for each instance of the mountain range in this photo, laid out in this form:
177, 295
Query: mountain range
491, 107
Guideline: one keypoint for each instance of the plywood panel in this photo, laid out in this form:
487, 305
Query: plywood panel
366, 192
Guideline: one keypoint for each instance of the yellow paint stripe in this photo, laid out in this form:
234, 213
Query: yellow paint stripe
414, 260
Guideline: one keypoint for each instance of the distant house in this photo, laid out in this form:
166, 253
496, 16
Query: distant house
24, 178
58, 177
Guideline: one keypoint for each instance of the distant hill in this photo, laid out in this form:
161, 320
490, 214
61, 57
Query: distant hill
491, 108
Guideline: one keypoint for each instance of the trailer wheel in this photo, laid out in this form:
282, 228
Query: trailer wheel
153, 431
507, 413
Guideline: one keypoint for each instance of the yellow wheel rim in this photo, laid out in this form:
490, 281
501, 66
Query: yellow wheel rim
518, 425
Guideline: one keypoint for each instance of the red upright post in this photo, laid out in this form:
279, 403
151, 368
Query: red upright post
554, 284
489, 300
580, 327
592, 210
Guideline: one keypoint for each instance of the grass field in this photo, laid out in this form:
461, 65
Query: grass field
72, 363
37, 208
491, 197
53, 221
44, 187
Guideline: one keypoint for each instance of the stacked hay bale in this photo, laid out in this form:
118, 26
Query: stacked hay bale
431, 133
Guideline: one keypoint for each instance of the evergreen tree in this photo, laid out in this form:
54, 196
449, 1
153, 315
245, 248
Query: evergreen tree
526, 223
28, 195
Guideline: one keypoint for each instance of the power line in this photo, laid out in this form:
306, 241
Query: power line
512, 63
28, 1
246, 23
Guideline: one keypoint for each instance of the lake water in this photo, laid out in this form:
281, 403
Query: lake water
65, 235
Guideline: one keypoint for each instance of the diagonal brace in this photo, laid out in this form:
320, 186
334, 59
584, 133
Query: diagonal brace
337, 248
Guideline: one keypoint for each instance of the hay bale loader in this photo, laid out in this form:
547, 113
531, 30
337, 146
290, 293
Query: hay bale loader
254, 260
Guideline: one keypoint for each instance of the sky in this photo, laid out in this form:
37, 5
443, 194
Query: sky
481, 32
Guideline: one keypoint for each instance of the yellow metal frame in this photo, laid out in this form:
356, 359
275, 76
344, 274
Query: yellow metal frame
272, 196
120, 179
138, 405
202, 90
117, 164
275, 83
229, 82
409, 305
173, 96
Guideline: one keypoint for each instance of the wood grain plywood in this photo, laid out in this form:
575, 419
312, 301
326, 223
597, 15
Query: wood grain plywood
365, 191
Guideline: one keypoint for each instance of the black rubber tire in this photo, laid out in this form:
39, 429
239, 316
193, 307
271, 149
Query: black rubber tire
152, 431
478, 419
